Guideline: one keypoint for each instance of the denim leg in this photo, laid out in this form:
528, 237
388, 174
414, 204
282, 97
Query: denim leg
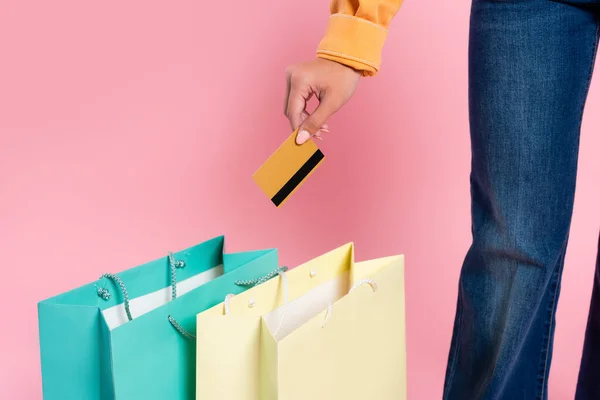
530, 63
588, 385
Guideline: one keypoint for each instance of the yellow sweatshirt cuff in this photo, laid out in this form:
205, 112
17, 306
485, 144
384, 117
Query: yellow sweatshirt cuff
354, 42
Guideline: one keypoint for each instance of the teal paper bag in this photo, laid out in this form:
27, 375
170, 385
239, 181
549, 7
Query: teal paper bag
91, 350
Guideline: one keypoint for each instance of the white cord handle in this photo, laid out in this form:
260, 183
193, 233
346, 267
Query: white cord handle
285, 300
226, 303
286, 290
285, 283
369, 282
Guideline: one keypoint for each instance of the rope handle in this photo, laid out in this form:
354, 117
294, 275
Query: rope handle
181, 329
173, 265
255, 282
248, 282
105, 294
284, 280
369, 282
262, 279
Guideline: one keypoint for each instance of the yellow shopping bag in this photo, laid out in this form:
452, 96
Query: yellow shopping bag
328, 329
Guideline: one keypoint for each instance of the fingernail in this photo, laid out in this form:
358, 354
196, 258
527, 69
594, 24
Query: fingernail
325, 130
302, 137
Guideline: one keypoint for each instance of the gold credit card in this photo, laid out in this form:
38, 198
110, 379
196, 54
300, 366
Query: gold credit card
287, 168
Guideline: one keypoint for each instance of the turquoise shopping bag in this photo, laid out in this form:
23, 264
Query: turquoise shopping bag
130, 335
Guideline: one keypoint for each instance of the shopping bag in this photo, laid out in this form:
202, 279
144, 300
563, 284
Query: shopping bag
328, 329
130, 335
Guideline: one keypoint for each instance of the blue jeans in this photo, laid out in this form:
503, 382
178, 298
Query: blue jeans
530, 64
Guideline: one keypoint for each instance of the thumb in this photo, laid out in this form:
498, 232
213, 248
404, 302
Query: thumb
316, 120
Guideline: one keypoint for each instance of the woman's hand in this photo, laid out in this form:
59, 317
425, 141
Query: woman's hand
332, 83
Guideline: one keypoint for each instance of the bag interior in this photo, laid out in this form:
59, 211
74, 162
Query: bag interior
301, 310
116, 316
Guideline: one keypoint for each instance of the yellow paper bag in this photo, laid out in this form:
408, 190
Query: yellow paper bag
328, 329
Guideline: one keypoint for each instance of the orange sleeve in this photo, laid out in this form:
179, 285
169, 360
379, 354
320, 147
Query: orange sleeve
357, 31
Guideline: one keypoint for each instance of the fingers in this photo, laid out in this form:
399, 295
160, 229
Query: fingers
324, 128
305, 135
288, 75
331, 83
297, 115
319, 133
316, 123
298, 92
296, 108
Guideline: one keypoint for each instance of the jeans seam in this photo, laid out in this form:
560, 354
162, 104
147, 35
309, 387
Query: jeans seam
553, 304
552, 313
455, 349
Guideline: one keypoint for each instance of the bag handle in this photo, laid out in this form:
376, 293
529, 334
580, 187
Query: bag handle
181, 329
262, 279
248, 282
174, 264
281, 272
255, 282
370, 282
105, 294
284, 279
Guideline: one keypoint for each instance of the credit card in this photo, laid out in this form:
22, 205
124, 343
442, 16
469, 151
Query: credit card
287, 168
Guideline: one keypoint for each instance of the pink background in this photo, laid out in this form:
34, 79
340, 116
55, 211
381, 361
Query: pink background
128, 129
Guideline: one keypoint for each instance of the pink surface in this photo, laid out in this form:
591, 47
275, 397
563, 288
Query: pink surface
128, 129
